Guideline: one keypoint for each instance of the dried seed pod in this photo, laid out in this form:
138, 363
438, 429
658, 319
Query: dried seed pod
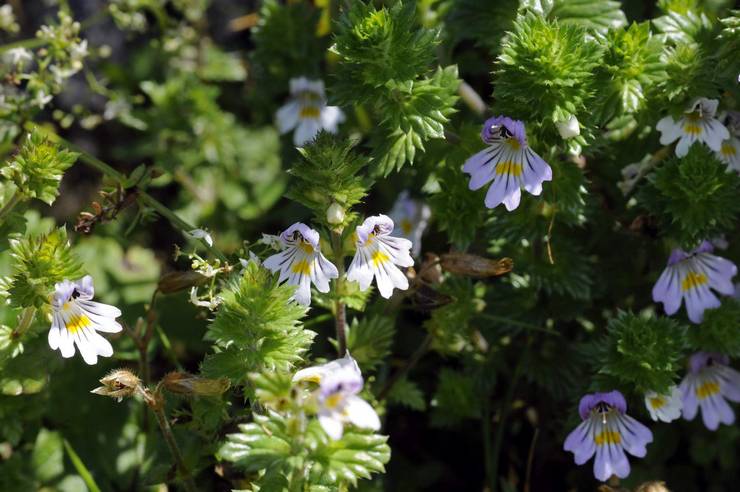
474, 266
172, 282
182, 383
118, 384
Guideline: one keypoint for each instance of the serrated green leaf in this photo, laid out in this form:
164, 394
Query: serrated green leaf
407, 394
369, 340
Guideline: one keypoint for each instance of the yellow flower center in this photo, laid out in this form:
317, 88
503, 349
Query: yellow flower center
728, 149
310, 112
508, 167
77, 322
379, 258
306, 247
301, 267
514, 144
657, 402
693, 280
707, 389
406, 226
607, 437
333, 401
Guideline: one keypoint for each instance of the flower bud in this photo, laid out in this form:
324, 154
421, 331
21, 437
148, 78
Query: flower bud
569, 128
335, 214
182, 383
172, 282
118, 384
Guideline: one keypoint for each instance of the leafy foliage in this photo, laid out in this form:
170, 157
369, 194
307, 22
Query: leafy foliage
718, 331
693, 198
38, 167
369, 341
255, 328
642, 353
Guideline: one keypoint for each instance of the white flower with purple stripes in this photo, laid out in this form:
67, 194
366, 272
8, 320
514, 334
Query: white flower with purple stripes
508, 162
307, 111
379, 255
301, 262
665, 407
690, 276
708, 385
607, 432
698, 124
77, 319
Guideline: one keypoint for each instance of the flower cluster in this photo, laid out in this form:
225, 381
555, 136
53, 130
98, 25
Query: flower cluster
339, 383
378, 255
698, 124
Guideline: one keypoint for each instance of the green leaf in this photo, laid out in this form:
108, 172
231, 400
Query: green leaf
600, 15
262, 444
358, 454
369, 341
406, 393
718, 330
48, 457
272, 388
683, 27
39, 262
455, 399
38, 167
81, 468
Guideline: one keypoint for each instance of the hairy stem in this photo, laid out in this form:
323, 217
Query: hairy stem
25, 323
492, 464
8, 207
143, 196
156, 403
340, 310
401, 373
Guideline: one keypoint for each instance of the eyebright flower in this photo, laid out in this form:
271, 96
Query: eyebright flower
411, 218
508, 161
608, 432
339, 383
729, 151
379, 255
707, 385
689, 276
202, 234
301, 262
664, 407
697, 125
307, 111
76, 319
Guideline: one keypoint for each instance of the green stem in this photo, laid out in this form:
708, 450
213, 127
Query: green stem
164, 425
401, 373
520, 324
8, 207
143, 196
340, 310
25, 323
492, 464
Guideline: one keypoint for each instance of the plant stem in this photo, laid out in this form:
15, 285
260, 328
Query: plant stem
8, 207
520, 324
25, 323
401, 373
492, 465
143, 196
156, 403
340, 310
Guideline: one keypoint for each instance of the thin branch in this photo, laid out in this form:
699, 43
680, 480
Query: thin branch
530, 461
499, 437
25, 322
340, 310
8, 207
410, 364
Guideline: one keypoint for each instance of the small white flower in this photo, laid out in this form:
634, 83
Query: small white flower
569, 128
411, 218
307, 111
664, 407
210, 304
77, 319
253, 258
697, 125
202, 234
335, 214
339, 383
41, 99
18, 56
272, 241
301, 262
379, 255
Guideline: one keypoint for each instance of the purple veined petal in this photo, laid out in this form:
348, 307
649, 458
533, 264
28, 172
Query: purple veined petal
719, 271
587, 403
698, 299
359, 270
668, 290
581, 442
308, 234
303, 292
306, 131
699, 360
287, 116
512, 199
483, 159
635, 436
715, 410
729, 383
490, 131
686, 141
613, 399
670, 130
704, 247
496, 192
85, 287
332, 425
688, 396
610, 460
535, 171
714, 133
381, 225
